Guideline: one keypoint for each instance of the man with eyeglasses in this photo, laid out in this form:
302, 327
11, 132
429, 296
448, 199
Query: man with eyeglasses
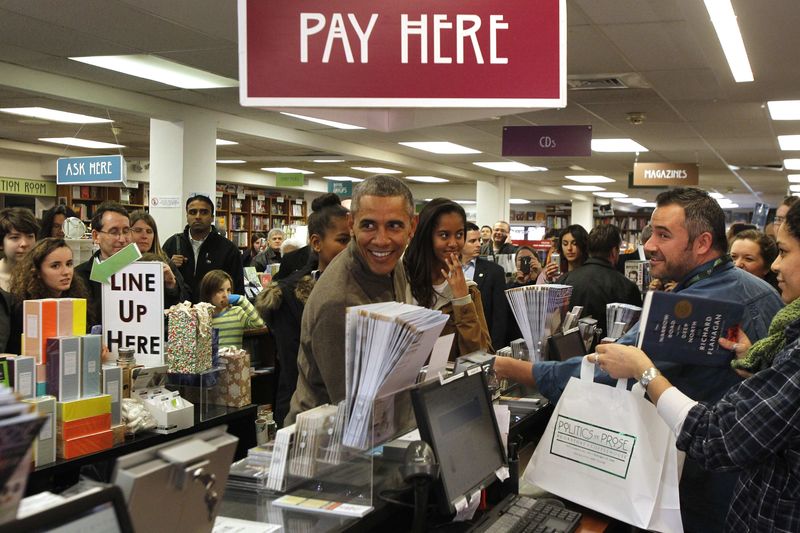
111, 232
199, 249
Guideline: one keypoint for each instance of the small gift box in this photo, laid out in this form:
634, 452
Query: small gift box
234, 381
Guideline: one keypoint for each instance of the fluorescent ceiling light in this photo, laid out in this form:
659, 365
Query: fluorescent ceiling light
377, 170
223, 142
729, 205
427, 179
465, 202
716, 195
733, 167
583, 188
328, 160
789, 142
331, 123
791, 164
342, 178
794, 188
645, 204
441, 147
610, 194
793, 178
590, 179
617, 145
630, 200
508, 166
784, 109
724, 20
286, 170
230, 161
519, 201
54, 115
160, 70
81, 143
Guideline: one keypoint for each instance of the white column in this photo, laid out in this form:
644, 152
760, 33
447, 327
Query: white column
492, 201
583, 214
182, 161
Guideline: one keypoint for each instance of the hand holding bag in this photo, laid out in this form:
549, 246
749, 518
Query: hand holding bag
606, 448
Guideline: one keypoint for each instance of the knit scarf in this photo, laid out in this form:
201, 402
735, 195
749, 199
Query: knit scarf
761, 354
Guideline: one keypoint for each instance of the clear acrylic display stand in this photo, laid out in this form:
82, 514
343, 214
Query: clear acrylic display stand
325, 475
201, 390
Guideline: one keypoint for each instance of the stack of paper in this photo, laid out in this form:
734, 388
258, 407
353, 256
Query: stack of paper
313, 431
620, 318
284, 440
19, 425
386, 346
539, 311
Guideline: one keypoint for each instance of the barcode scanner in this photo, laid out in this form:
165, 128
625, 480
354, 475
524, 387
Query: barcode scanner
420, 469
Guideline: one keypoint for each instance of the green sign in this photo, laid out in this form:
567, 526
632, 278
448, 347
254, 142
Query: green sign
342, 188
289, 180
27, 187
102, 272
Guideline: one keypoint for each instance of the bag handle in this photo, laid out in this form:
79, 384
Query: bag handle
588, 372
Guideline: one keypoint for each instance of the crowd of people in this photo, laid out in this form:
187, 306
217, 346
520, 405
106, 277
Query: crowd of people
742, 461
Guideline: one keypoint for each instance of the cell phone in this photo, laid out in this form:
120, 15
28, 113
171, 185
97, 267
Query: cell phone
525, 264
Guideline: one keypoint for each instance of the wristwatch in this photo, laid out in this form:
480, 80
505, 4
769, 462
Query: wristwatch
647, 376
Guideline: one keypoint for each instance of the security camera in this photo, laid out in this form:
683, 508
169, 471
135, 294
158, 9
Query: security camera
636, 117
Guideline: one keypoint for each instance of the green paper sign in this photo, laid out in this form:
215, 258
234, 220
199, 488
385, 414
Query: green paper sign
102, 271
289, 180
27, 187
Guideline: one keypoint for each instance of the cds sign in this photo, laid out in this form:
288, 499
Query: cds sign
361, 53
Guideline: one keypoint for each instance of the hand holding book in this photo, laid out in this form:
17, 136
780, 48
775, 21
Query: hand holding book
739, 349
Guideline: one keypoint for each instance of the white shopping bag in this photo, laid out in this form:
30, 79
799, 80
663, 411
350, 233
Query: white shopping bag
607, 449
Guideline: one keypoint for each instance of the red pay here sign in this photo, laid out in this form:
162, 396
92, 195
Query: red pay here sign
424, 53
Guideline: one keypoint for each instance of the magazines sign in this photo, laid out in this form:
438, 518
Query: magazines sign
361, 53
665, 175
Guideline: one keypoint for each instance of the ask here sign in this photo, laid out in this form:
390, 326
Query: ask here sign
363, 53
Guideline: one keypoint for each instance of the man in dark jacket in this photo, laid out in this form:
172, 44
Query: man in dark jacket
597, 282
200, 249
491, 280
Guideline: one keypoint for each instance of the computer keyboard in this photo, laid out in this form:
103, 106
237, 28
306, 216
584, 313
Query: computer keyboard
521, 514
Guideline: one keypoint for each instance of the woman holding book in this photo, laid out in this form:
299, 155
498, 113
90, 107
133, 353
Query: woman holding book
282, 302
436, 277
573, 243
754, 252
754, 428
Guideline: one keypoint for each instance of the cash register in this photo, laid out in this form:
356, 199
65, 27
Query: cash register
456, 418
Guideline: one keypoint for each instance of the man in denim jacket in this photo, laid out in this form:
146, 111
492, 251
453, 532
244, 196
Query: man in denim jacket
688, 245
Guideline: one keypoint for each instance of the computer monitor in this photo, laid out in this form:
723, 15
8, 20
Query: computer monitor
457, 419
563, 346
100, 511
178, 485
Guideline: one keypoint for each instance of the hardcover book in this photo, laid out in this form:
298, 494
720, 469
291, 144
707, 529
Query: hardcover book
686, 328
